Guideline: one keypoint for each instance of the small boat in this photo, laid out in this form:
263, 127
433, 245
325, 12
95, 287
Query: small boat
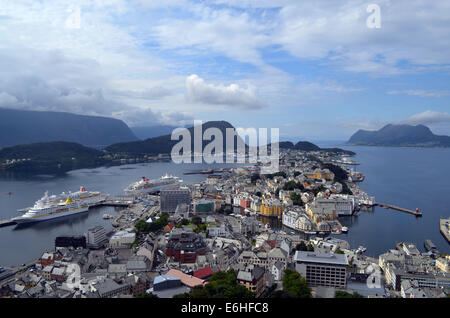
107, 216
344, 229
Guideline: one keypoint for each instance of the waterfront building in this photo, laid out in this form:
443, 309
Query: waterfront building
304, 224
322, 269
395, 276
171, 198
96, 237
319, 213
271, 208
290, 219
122, 239
70, 241
340, 205
255, 205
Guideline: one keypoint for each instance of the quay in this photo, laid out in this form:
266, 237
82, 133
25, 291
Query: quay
444, 225
393, 207
114, 203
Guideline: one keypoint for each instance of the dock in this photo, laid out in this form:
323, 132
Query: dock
113, 203
393, 207
444, 225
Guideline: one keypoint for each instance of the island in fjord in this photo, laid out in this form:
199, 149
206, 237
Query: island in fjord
399, 136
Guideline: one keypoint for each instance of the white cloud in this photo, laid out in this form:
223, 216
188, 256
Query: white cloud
197, 90
420, 93
428, 117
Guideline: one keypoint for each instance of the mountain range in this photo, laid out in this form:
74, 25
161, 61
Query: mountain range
309, 146
152, 131
25, 127
399, 136
164, 144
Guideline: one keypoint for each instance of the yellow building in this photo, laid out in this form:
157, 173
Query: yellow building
271, 208
320, 214
443, 264
320, 174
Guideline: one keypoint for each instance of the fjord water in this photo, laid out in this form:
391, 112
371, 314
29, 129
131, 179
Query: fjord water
20, 244
409, 178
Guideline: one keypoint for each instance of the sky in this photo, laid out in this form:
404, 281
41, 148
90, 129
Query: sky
314, 69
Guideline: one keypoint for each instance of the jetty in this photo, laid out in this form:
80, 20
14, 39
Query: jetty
444, 225
393, 207
114, 203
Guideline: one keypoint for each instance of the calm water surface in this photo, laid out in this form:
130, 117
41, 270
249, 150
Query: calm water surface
24, 243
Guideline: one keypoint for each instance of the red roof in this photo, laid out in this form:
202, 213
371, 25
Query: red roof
272, 243
203, 273
190, 281
169, 227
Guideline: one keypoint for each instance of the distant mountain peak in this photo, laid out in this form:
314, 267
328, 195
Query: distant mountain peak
26, 127
400, 135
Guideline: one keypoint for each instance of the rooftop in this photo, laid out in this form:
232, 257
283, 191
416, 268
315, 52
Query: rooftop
324, 258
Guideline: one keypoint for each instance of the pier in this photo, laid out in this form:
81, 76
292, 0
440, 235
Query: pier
113, 203
393, 207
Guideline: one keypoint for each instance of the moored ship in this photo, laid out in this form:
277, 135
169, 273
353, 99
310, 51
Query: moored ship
146, 185
84, 197
47, 209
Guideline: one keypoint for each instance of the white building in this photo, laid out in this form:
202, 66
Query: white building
96, 237
122, 239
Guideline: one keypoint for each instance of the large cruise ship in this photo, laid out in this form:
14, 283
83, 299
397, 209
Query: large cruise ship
47, 208
83, 196
146, 185
64, 204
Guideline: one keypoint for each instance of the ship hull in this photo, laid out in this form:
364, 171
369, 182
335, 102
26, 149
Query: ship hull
152, 189
26, 220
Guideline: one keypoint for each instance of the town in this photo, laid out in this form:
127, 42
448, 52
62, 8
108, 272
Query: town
255, 232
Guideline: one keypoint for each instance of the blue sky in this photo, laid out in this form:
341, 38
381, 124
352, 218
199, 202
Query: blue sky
316, 70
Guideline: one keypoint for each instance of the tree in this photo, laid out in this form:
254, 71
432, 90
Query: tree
147, 295
344, 294
197, 220
295, 285
143, 227
220, 285
310, 247
254, 178
292, 185
339, 251
296, 199
301, 247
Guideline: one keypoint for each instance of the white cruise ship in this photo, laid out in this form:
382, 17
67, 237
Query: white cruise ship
47, 209
146, 185
88, 198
